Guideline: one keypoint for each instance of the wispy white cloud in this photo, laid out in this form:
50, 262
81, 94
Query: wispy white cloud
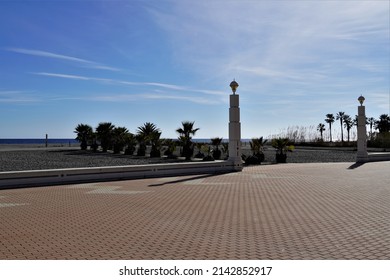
193, 99
167, 86
120, 98
380, 98
273, 38
16, 96
48, 54
106, 97
65, 76
10, 92
80, 61
277, 48
186, 89
176, 88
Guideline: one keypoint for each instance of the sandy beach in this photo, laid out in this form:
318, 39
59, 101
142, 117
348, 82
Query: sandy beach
38, 157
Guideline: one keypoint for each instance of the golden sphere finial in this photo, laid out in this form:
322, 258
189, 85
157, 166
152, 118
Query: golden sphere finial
234, 86
361, 100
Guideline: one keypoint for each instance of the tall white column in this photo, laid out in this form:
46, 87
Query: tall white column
235, 132
362, 155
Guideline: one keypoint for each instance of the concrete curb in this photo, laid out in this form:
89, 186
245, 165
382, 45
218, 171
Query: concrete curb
373, 157
378, 156
76, 175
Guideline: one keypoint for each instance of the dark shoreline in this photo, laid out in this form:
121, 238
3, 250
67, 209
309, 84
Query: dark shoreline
40, 158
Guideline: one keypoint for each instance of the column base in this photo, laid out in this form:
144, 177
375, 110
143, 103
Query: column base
362, 157
237, 163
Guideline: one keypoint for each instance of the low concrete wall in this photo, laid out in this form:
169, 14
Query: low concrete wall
76, 175
378, 156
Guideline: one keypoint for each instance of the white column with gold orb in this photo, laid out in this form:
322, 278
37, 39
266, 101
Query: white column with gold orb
362, 155
235, 128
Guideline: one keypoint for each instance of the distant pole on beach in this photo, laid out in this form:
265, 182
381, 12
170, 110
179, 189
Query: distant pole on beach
235, 128
362, 155
47, 137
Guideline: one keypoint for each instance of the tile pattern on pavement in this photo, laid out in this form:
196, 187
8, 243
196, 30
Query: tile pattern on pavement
290, 211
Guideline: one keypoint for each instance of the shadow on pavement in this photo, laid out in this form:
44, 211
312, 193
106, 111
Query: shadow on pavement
183, 180
356, 165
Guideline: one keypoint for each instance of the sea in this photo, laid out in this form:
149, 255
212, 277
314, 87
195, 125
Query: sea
33, 141
71, 141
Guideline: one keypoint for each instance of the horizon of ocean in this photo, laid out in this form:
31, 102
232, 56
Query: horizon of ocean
32, 141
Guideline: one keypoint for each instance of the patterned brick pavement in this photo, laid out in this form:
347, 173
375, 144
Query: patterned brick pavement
291, 211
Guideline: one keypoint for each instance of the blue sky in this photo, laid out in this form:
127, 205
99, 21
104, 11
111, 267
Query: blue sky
128, 62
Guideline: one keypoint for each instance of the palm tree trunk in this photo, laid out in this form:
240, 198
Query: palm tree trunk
370, 131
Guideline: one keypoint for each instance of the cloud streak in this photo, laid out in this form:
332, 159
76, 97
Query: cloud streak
16, 96
129, 83
286, 39
80, 61
157, 89
326, 52
112, 97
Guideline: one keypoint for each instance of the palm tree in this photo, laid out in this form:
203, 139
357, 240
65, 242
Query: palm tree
186, 132
348, 123
198, 146
371, 122
225, 149
257, 145
216, 142
330, 119
321, 129
355, 120
340, 116
84, 134
147, 129
119, 138
207, 149
171, 147
130, 143
94, 145
144, 133
257, 156
104, 135
156, 143
282, 146
383, 124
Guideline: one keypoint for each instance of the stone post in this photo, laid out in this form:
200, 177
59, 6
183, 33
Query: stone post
362, 155
235, 129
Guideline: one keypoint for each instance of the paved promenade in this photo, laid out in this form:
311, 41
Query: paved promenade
290, 211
